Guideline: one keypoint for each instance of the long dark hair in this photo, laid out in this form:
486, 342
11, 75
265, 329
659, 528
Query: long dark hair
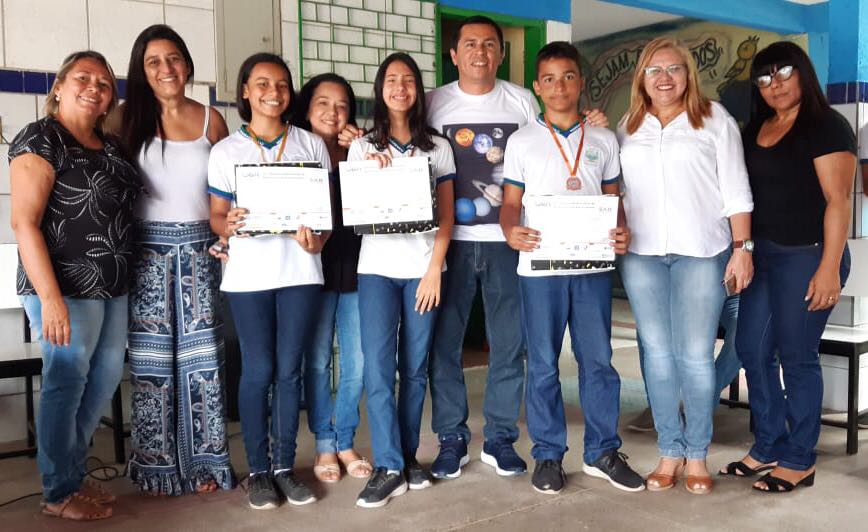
421, 135
141, 120
305, 95
247, 66
813, 105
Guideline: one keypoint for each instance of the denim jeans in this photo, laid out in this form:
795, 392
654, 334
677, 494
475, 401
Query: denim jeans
493, 265
677, 301
388, 320
584, 302
775, 316
77, 382
273, 327
334, 423
727, 364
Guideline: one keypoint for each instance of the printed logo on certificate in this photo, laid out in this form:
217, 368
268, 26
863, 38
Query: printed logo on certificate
399, 198
574, 231
282, 196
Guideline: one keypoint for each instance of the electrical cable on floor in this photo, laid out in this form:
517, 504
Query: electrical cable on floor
100, 471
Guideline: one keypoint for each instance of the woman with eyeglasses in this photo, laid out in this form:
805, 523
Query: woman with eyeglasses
801, 160
688, 204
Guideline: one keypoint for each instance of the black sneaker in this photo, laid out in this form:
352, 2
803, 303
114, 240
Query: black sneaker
549, 477
295, 492
381, 487
417, 477
261, 492
451, 458
613, 467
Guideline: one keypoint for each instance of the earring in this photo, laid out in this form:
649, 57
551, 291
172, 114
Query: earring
56, 97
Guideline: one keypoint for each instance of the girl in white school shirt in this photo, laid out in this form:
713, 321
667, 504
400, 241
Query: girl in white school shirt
272, 282
400, 284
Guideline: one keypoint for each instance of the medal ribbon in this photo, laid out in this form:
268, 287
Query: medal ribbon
574, 169
256, 140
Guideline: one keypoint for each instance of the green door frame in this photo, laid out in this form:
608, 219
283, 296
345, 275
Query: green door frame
534, 36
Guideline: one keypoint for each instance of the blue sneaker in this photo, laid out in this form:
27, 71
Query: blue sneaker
451, 458
500, 455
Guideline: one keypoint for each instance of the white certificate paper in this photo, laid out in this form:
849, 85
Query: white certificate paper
572, 228
283, 196
400, 192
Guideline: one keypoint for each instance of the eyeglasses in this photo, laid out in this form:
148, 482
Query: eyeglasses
780, 73
672, 70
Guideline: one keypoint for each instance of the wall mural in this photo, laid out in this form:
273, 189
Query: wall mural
723, 55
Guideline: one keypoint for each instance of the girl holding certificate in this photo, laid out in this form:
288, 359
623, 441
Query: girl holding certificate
272, 282
327, 106
400, 285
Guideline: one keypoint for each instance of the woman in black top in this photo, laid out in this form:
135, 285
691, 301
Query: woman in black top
72, 197
326, 105
800, 157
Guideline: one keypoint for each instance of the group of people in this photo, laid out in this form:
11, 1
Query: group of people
120, 212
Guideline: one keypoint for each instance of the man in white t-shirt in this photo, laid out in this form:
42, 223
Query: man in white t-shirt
477, 114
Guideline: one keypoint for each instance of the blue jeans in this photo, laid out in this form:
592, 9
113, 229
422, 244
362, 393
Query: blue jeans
584, 302
493, 265
775, 316
77, 382
386, 303
334, 423
677, 301
272, 326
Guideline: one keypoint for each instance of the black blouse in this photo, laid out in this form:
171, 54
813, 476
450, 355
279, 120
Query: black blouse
340, 255
87, 222
789, 205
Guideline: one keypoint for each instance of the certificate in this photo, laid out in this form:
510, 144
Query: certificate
574, 231
396, 199
282, 196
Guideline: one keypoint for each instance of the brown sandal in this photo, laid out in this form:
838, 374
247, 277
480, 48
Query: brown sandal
662, 481
77, 508
93, 492
699, 485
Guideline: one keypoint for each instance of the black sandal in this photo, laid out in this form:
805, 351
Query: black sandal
779, 485
742, 470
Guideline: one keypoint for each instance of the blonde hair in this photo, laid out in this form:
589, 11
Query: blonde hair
696, 103
51, 104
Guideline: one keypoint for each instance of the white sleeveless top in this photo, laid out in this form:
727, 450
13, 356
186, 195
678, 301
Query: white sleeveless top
176, 180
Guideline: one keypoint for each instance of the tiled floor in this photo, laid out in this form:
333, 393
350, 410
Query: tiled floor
480, 500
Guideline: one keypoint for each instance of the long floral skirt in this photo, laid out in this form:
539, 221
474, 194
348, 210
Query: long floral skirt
176, 354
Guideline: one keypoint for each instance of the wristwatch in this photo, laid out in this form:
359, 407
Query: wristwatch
746, 245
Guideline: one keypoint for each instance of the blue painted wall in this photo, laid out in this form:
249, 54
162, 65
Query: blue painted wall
539, 9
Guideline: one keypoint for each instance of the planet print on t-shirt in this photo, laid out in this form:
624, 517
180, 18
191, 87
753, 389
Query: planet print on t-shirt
464, 137
482, 143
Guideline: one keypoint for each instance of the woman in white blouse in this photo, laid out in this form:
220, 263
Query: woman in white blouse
688, 203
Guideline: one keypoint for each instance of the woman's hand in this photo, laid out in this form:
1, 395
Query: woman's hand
234, 222
596, 118
824, 289
55, 321
383, 158
522, 238
348, 135
428, 292
620, 239
309, 240
740, 266
220, 249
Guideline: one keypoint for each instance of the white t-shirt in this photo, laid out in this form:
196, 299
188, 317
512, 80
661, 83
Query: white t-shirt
534, 163
402, 256
478, 127
269, 261
681, 184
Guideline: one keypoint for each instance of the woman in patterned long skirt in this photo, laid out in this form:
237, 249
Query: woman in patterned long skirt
175, 344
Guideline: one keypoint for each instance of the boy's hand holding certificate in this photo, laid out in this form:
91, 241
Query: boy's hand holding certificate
574, 231
397, 198
282, 196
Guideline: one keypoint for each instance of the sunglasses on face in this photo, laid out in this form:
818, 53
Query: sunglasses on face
780, 73
672, 70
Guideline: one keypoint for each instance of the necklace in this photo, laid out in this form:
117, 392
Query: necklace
573, 182
256, 140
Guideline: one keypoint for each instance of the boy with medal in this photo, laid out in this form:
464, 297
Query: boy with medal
560, 155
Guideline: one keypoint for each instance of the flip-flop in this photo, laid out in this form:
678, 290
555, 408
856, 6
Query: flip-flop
742, 470
360, 468
77, 508
320, 470
93, 492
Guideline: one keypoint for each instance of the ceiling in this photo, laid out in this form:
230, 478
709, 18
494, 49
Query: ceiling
594, 18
